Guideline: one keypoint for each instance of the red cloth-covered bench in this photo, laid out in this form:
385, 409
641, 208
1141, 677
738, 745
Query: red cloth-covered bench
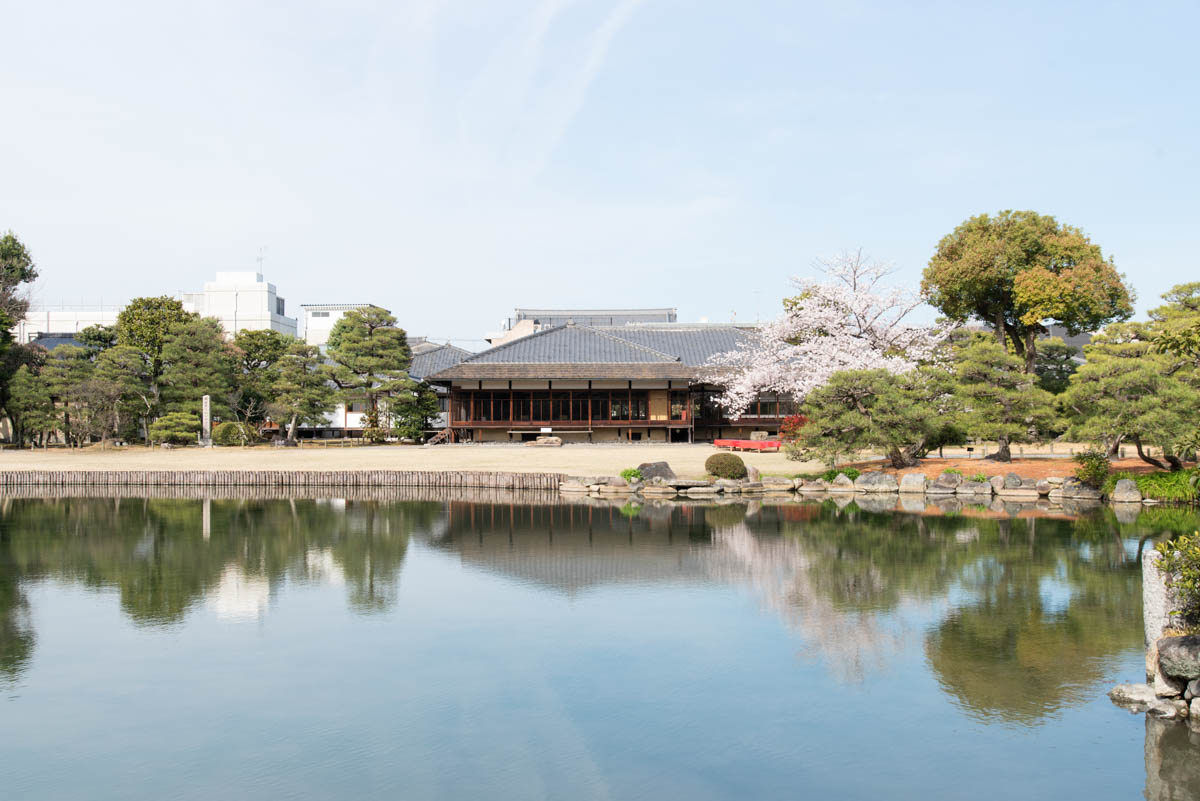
748, 444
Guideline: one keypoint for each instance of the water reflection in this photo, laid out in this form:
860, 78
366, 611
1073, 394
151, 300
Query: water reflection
1016, 618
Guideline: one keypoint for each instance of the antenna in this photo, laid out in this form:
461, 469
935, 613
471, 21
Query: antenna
262, 254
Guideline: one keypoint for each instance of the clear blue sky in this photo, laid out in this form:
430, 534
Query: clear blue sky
451, 160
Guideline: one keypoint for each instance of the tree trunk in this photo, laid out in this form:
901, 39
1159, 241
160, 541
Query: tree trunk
902, 458
145, 430
1113, 448
291, 435
1003, 452
1000, 332
1030, 351
1145, 457
1174, 461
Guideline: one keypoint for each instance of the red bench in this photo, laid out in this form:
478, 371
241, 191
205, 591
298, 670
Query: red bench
748, 444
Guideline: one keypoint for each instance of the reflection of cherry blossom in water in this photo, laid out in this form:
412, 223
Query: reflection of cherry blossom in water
851, 642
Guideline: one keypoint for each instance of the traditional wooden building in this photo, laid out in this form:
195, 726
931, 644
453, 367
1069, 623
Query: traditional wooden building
601, 384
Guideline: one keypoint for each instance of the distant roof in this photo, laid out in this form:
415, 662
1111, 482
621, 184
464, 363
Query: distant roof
50, 341
341, 306
667, 350
595, 316
430, 360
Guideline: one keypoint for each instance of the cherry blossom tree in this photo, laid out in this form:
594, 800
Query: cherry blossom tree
850, 321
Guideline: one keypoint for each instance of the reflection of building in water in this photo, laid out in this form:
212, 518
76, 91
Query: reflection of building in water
321, 566
237, 596
577, 547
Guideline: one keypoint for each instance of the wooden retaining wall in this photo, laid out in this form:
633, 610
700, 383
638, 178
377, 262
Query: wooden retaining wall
281, 479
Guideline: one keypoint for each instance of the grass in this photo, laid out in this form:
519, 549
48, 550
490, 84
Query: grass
1161, 486
831, 474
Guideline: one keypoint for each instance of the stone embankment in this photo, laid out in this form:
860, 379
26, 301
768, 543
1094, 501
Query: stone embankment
432, 479
1172, 688
659, 482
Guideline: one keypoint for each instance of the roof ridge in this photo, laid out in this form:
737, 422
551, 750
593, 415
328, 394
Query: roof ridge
631, 343
512, 342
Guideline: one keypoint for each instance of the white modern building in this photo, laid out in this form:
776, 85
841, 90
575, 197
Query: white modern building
241, 301
319, 319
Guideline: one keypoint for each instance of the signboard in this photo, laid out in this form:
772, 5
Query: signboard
547, 429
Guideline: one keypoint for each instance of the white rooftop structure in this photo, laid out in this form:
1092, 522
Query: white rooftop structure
241, 301
319, 319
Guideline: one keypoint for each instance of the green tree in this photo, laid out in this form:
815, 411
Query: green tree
999, 401
302, 392
12, 359
257, 352
145, 324
874, 409
16, 268
127, 367
413, 410
66, 369
175, 428
370, 358
197, 361
1126, 392
98, 337
1056, 363
30, 407
1017, 271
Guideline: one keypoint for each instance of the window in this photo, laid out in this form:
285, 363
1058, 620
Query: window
599, 405
562, 405
462, 407
541, 406
620, 406
501, 405
678, 404
522, 408
357, 406
320, 314
579, 406
483, 407
639, 405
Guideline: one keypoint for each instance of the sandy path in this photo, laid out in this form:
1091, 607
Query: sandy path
686, 460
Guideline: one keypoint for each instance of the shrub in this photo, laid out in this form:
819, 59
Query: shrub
725, 465
631, 474
980, 478
1093, 467
954, 471
176, 428
789, 430
832, 473
234, 434
1180, 563
1178, 486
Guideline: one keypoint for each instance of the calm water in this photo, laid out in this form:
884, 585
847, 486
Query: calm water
324, 648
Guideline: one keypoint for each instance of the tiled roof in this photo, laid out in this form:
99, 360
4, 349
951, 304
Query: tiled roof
52, 341
573, 351
434, 360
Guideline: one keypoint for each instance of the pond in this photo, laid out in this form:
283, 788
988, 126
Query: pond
518, 646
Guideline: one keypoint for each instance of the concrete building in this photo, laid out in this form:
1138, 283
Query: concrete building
319, 319
529, 321
241, 301
62, 321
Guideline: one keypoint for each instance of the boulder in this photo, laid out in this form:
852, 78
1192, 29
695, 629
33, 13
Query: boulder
876, 482
983, 488
1054, 495
913, 483
997, 483
1019, 494
1168, 709
658, 491
759, 436
702, 492
1195, 711
1192, 690
572, 486
686, 483
1138, 696
1012, 481
615, 481
752, 473
728, 485
656, 470
1167, 687
841, 483
813, 485
1179, 657
777, 484
1075, 490
951, 480
751, 487
1126, 491
1055, 480
1043, 487
545, 442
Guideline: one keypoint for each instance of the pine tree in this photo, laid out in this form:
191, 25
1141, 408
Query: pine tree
196, 362
66, 369
370, 358
999, 400
302, 392
29, 406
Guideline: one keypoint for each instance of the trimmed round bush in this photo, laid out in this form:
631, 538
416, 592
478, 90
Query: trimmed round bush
725, 465
176, 428
232, 433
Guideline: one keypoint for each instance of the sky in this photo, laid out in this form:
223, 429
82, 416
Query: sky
453, 160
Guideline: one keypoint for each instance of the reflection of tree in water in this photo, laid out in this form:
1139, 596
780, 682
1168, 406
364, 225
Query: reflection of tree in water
1050, 602
165, 556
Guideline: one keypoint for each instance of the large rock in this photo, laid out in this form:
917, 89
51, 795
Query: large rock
545, 442
913, 483
687, 483
1193, 689
876, 482
658, 491
997, 483
1043, 487
1076, 490
980, 488
841, 483
572, 486
1156, 599
813, 485
752, 473
661, 470
728, 485
1168, 709
1012, 481
1179, 657
1135, 697
702, 492
1126, 491
778, 484
951, 480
